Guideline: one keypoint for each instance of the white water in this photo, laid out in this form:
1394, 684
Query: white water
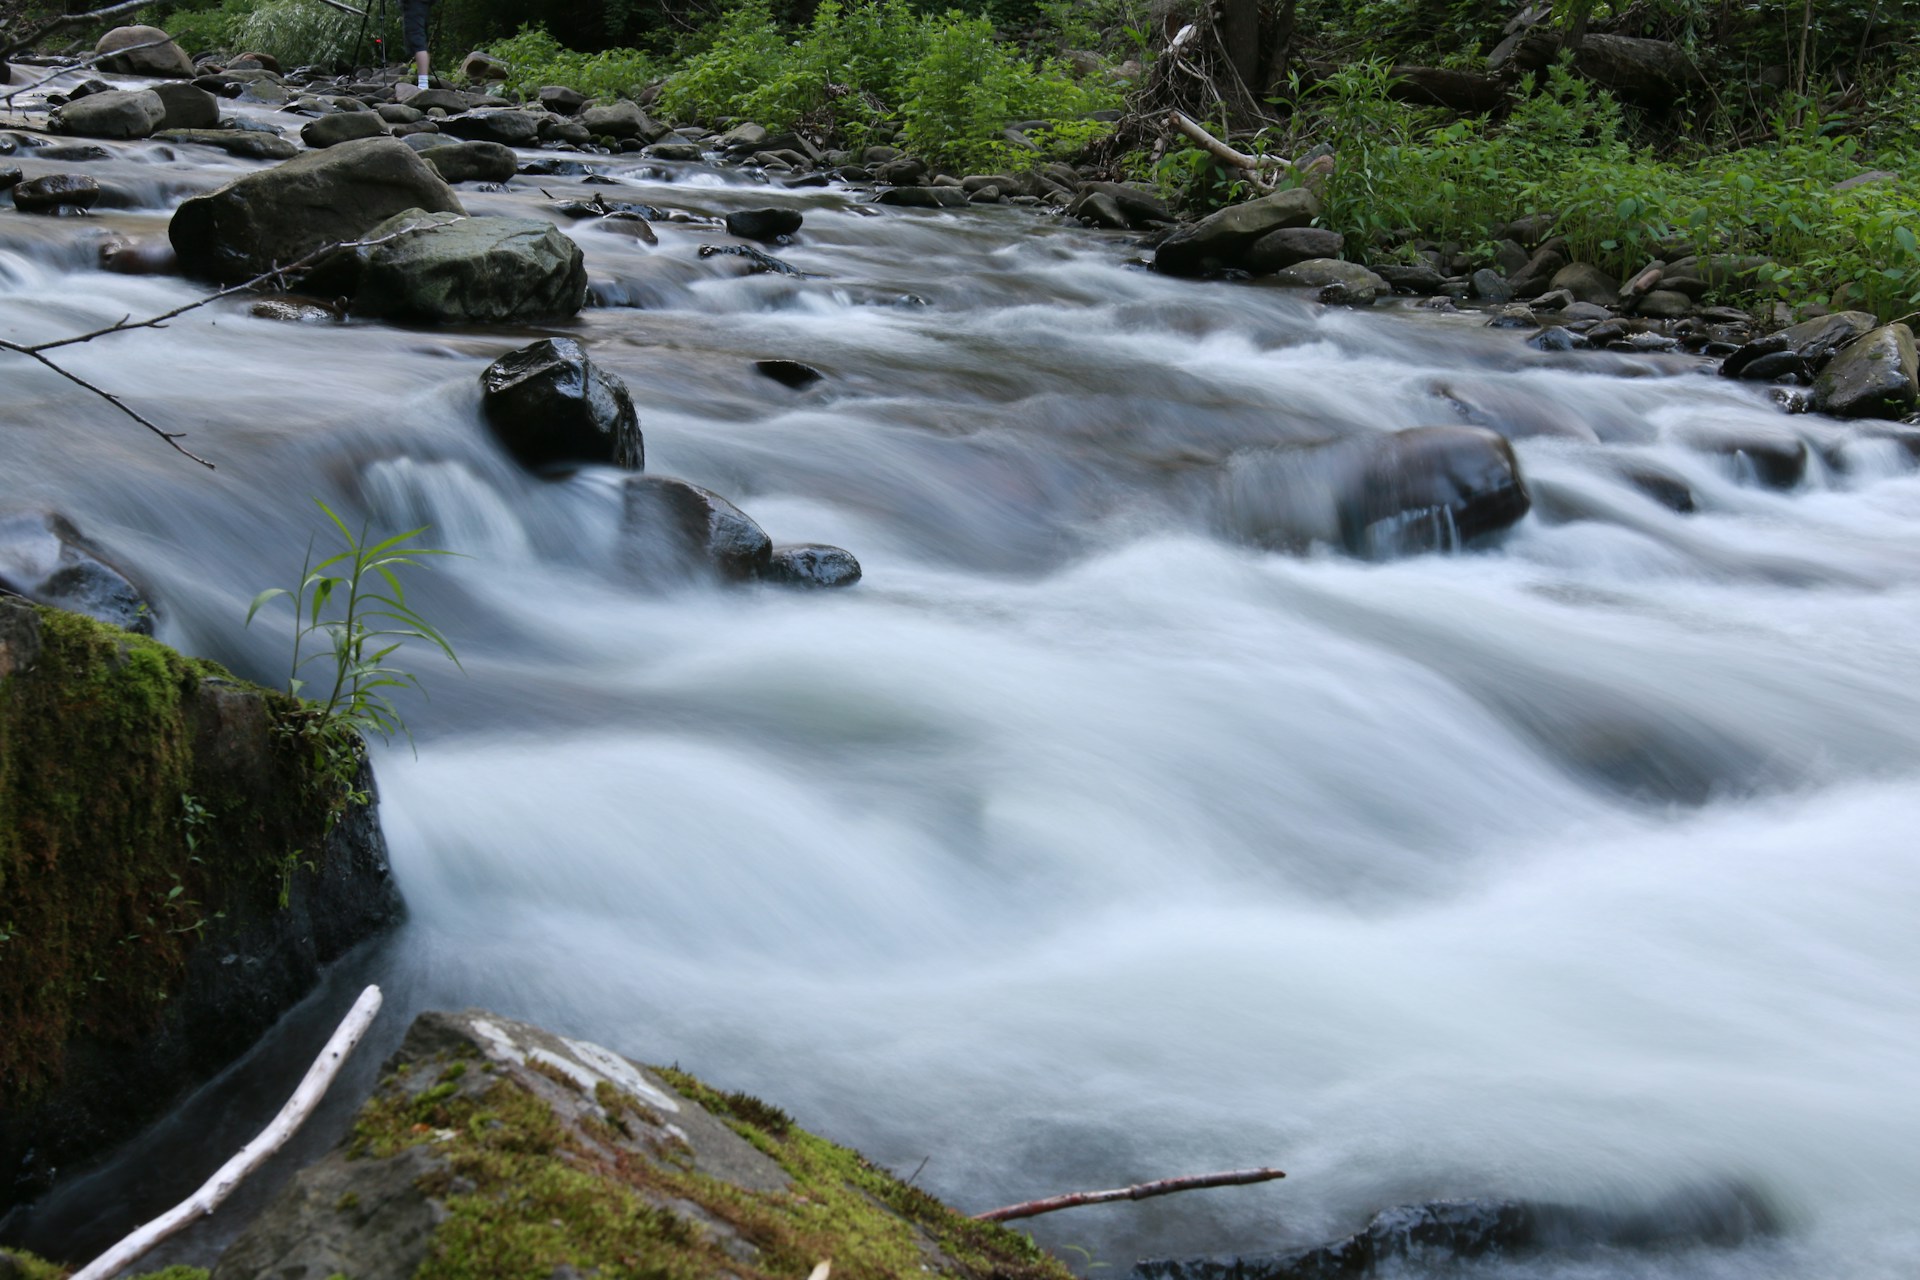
1077, 846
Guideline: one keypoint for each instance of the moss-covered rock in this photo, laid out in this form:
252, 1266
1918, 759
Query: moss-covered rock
176, 862
493, 1149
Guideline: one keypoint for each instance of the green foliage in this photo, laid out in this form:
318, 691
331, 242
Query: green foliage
538, 60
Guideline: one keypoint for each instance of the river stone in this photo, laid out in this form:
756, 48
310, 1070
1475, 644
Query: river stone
451, 101
1422, 489
1490, 287
552, 407
1873, 378
318, 198
1814, 341
1137, 207
11, 177
1665, 304
114, 114
164, 59
812, 564
479, 66
245, 143
471, 161
1536, 277
622, 119
507, 128
561, 100
1221, 239
343, 126
55, 193
788, 373
1420, 277
924, 197
449, 268
188, 106
673, 528
1722, 270
765, 225
1587, 283
44, 558
1358, 286
555, 129
1291, 246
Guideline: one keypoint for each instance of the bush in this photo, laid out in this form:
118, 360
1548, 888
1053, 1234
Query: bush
538, 59
297, 32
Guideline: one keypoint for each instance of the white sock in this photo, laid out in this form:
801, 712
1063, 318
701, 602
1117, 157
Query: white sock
423, 80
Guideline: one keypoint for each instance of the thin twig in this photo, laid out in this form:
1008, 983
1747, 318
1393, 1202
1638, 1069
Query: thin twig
1143, 1191
171, 437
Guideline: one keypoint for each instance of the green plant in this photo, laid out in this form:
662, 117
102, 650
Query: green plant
537, 59
297, 32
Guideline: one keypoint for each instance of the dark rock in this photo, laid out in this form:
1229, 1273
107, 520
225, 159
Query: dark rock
1557, 339
788, 373
1722, 270
924, 197
1775, 366
1422, 489
552, 407
673, 527
1872, 378
162, 58
766, 225
1514, 316
315, 199
45, 559
1291, 246
1467, 92
369, 1219
1094, 209
399, 113
1652, 73
1665, 304
344, 126
449, 268
508, 128
1221, 239
451, 101
1530, 231
907, 171
1815, 342
73, 153
1489, 285
1778, 459
473, 161
674, 151
1587, 283
245, 143
1536, 277
561, 100
55, 193
1139, 208
133, 114
1669, 491
812, 564
1418, 278
187, 106
756, 262
1359, 287
559, 129
11, 177
479, 66
125, 257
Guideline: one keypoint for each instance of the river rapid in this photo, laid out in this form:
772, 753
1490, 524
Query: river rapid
1081, 844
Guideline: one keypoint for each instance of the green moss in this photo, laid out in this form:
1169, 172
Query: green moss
119, 849
32, 1268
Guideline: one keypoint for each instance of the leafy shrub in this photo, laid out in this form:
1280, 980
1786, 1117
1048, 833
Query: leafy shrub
297, 32
538, 59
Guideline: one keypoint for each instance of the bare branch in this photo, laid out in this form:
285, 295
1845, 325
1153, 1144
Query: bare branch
1221, 151
88, 61
1142, 1191
74, 20
171, 437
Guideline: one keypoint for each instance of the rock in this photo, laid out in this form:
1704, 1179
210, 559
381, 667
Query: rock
742, 137
1555, 338
471, 161
1873, 378
1722, 270
11, 177
552, 407
137, 257
56, 193
46, 560
1530, 231
622, 119
1514, 316
160, 57
673, 527
1139, 208
508, 128
1665, 304
75, 153
561, 100
1652, 73
1872, 177
1291, 246
558, 129
1422, 489
788, 373
1467, 92
254, 60
484, 66
1095, 209
924, 197
1489, 286
766, 225
244, 143
449, 268
1587, 283
1815, 342
1777, 458
1421, 277
907, 171
187, 106
674, 151
451, 101
345, 126
1536, 277
399, 113
1359, 286
196, 955
134, 114
1220, 239
315, 199
812, 564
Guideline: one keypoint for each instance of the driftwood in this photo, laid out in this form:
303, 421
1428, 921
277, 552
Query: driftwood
217, 1188
1262, 171
1142, 1191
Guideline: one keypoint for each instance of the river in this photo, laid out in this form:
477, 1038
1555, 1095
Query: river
1081, 844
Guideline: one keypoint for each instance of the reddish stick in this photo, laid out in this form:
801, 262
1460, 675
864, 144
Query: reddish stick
1144, 1191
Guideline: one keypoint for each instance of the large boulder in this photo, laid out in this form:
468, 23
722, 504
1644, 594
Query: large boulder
143, 51
553, 408
45, 559
342, 126
1423, 489
470, 161
674, 529
113, 114
1222, 239
1587, 283
1344, 282
323, 197
1278, 250
188, 106
1806, 347
508, 128
449, 268
1873, 378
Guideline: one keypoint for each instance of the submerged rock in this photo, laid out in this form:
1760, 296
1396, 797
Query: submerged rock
46, 560
765, 225
56, 193
812, 564
551, 406
788, 373
674, 528
450, 268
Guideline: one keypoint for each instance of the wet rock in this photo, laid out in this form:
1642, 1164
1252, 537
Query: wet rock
766, 225
1422, 489
451, 101
315, 199
143, 51
907, 171
1489, 285
11, 177
674, 151
622, 119
1587, 283
292, 310
247, 144
449, 268
125, 257
508, 128
788, 373
1514, 316
1359, 287
187, 106
1775, 366
1536, 277
673, 527
1139, 209
1096, 210
1777, 459
56, 193
472, 161
72, 153
344, 126
1668, 490
1815, 342
45, 559
1556, 338
1873, 378
1291, 246
811, 564
1220, 239
1721, 270
399, 113
561, 100
924, 197
552, 407
1417, 278
134, 114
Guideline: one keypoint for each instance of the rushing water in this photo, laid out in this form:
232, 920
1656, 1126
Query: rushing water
1079, 845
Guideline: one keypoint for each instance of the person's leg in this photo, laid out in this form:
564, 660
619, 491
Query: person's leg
414, 16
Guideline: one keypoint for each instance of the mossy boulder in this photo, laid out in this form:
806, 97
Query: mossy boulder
493, 1149
1873, 378
175, 867
448, 268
